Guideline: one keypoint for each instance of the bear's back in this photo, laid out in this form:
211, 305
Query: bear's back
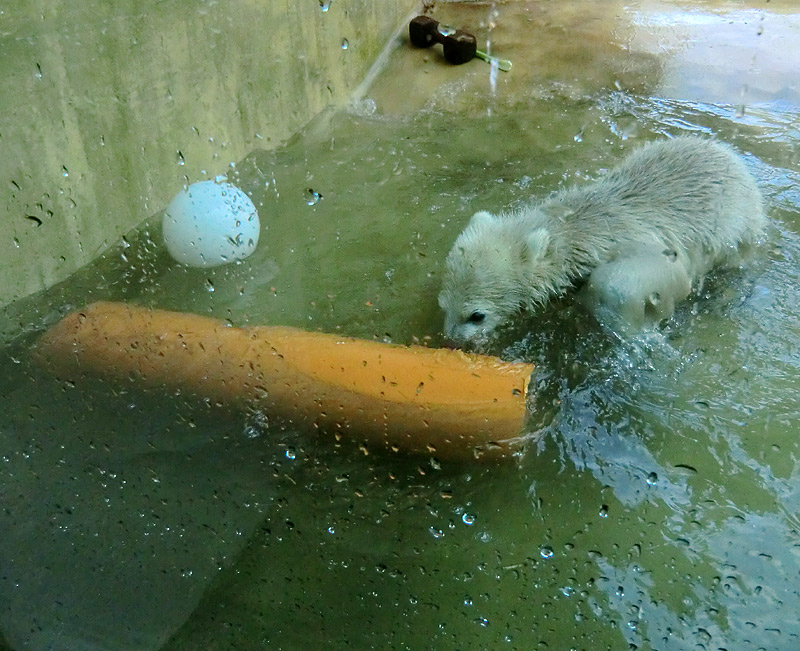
697, 190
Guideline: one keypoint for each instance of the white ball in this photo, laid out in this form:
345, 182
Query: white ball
209, 224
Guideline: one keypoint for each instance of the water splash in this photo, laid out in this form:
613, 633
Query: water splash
491, 23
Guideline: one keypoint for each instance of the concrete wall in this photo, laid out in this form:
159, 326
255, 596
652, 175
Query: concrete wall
107, 109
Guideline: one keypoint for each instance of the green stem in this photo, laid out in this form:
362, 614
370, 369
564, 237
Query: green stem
502, 64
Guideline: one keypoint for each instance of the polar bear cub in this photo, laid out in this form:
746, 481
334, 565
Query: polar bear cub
639, 239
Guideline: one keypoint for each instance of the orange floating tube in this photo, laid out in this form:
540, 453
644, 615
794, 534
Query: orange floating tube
406, 398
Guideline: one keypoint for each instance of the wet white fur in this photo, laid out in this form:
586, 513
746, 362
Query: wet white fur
642, 236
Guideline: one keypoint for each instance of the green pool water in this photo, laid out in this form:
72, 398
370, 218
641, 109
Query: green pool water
656, 505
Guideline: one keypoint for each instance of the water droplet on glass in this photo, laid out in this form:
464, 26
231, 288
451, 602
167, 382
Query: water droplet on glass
446, 30
467, 601
436, 533
704, 636
546, 551
179, 158
652, 479
291, 453
468, 519
603, 511
567, 591
64, 171
209, 285
345, 44
312, 197
325, 4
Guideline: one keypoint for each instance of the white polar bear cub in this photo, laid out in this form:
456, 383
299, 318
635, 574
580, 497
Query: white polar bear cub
641, 238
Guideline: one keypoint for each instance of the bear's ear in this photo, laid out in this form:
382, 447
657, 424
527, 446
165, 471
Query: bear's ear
481, 218
536, 243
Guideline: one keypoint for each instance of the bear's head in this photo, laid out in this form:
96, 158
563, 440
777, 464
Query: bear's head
488, 276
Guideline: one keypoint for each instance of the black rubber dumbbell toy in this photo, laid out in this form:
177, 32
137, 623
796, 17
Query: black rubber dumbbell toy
459, 46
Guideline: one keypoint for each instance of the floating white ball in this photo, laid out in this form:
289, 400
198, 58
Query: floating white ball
209, 224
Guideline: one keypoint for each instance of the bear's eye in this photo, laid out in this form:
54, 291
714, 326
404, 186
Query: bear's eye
476, 317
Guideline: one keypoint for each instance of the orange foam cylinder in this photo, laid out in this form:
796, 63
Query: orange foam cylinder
441, 402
